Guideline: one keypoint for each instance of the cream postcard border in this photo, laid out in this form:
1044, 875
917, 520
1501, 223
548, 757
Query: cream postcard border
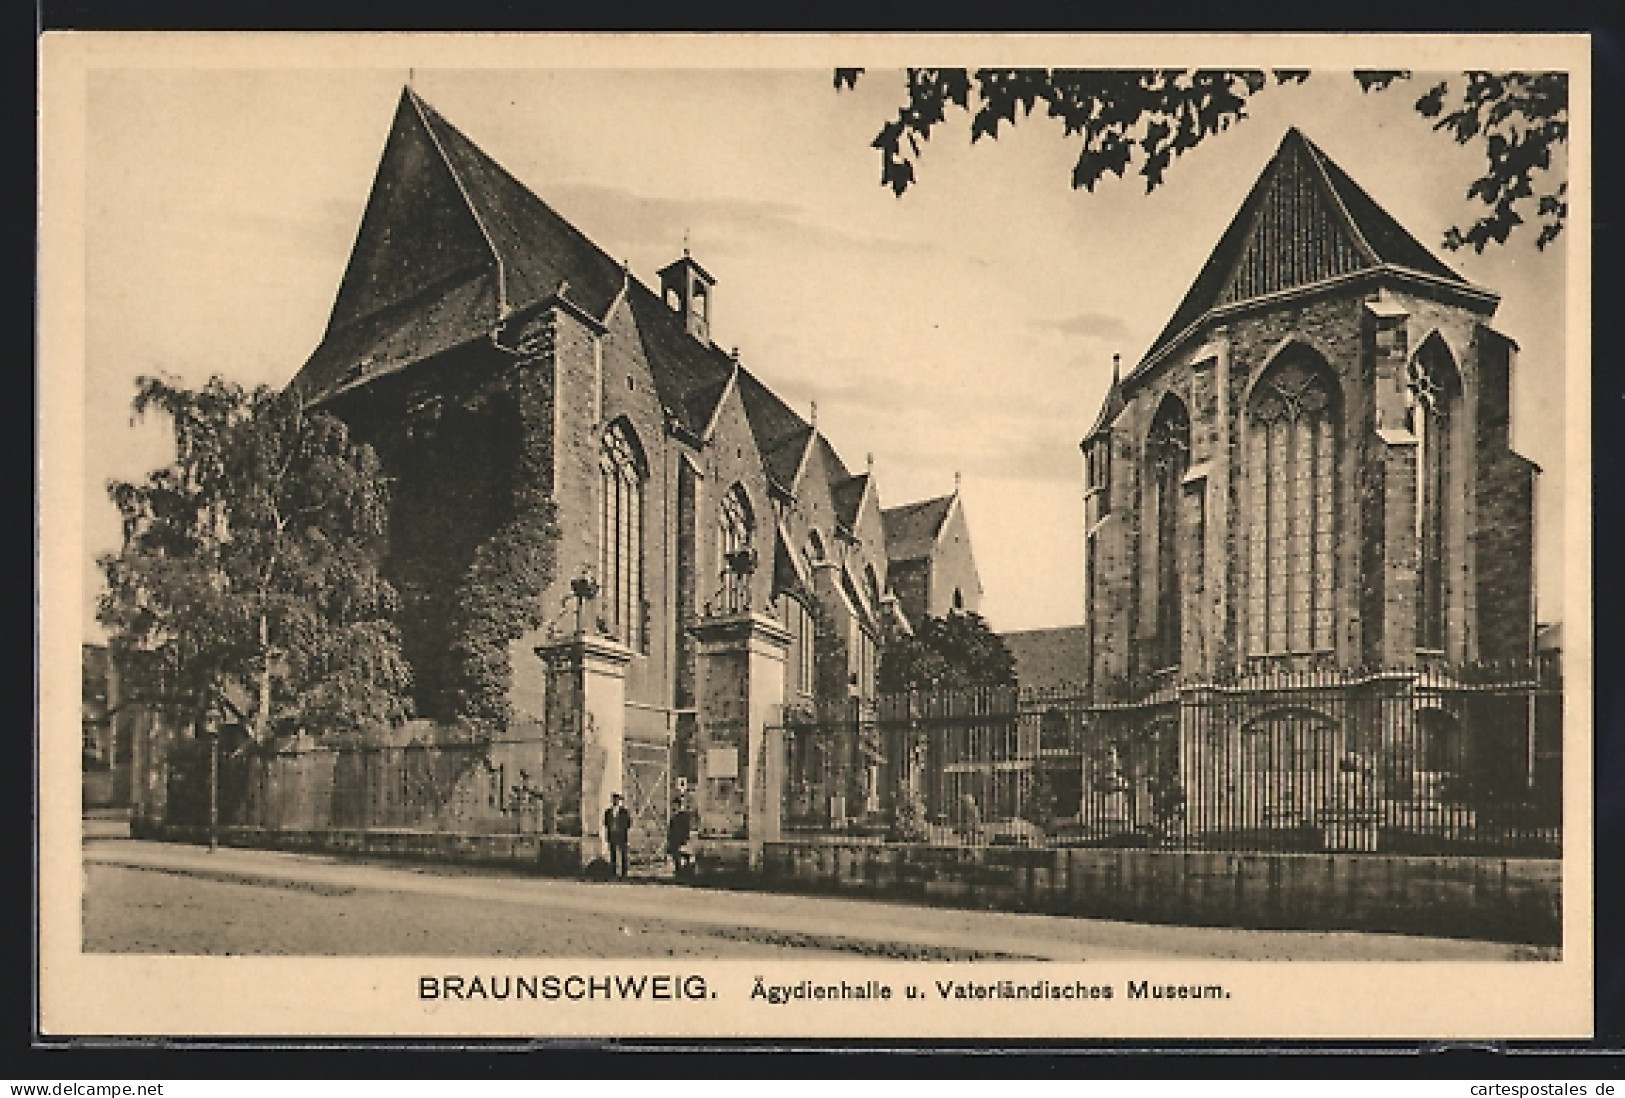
98, 995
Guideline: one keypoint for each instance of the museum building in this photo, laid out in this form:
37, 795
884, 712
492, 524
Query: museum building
715, 558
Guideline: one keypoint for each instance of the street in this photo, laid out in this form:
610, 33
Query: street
148, 897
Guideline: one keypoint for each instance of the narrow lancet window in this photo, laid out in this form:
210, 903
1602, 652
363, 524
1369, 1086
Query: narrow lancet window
1291, 490
621, 474
1168, 456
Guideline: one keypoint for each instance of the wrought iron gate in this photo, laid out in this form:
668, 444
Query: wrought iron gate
647, 780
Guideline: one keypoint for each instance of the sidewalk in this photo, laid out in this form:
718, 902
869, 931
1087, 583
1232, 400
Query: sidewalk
823, 919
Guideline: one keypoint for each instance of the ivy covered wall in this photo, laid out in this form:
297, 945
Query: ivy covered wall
466, 443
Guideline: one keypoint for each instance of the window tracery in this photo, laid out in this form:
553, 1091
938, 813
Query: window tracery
1292, 484
1432, 391
735, 530
620, 535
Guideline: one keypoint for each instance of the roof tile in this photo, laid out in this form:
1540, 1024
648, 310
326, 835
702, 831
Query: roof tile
912, 529
1304, 221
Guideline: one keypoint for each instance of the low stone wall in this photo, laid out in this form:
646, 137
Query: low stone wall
1502, 899
554, 855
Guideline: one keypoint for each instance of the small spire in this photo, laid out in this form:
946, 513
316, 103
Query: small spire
956, 482
1117, 363
685, 243
410, 73
814, 416
734, 354
869, 461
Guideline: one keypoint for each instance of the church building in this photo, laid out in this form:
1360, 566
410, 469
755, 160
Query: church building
1308, 542
1311, 467
715, 558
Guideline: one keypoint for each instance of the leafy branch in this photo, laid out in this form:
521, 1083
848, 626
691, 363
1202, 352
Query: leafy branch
1147, 118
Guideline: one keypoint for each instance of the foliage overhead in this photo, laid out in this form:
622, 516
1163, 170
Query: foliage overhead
950, 653
1148, 117
249, 566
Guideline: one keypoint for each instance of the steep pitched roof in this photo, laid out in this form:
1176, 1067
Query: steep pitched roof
1110, 407
536, 248
1304, 221
836, 468
781, 435
847, 496
912, 529
689, 376
448, 244
1050, 658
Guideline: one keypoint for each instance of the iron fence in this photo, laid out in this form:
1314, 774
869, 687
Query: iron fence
470, 787
1431, 761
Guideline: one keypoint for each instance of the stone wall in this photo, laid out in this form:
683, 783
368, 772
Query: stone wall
1505, 899
1501, 899
553, 855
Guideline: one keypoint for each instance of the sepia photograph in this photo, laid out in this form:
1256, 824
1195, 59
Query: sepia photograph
634, 535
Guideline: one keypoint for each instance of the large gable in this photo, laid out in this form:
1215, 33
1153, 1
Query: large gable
689, 376
781, 435
912, 529
1304, 222
450, 243
541, 254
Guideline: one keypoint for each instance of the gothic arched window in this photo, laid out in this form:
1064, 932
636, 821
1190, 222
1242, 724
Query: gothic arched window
1434, 392
735, 526
621, 472
1291, 491
1167, 457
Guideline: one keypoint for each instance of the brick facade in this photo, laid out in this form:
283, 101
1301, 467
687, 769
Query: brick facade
490, 367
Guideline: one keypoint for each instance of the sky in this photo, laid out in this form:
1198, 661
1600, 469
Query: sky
966, 327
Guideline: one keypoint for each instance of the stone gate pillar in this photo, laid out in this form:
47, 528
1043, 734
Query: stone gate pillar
585, 719
740, 692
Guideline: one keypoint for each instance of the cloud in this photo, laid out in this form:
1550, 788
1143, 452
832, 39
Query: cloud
1104, 326
630, 220
995, 432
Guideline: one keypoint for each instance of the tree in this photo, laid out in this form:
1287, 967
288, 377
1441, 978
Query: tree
1151, 116
249, 565
949, 653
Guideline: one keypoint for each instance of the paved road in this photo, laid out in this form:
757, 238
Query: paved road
143, 897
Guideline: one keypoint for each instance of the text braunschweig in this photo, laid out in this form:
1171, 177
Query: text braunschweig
572, 987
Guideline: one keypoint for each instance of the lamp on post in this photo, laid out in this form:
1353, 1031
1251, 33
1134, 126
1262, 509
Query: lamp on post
583, 589
740, 565
213, 732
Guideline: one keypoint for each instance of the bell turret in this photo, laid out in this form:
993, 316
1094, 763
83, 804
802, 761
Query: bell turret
686, 288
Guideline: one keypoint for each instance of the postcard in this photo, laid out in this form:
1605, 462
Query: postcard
667, 536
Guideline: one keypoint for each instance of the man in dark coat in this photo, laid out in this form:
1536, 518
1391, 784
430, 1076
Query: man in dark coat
617, 831
677, 836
